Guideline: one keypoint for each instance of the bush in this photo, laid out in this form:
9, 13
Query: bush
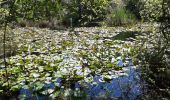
155, 57
134, 6
86, 12
120, 16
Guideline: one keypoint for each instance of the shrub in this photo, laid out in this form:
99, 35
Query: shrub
120, 16
134, 6
86, 12
155, 63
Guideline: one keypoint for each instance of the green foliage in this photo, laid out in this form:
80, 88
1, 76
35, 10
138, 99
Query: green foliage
134, 6
152, 49
153, 10
119, 15
38, 9
70, 13
82, 12
86, 12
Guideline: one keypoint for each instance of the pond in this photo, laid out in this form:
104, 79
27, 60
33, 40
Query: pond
124, 84
74, 65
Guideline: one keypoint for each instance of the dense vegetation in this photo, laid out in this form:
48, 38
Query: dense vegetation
48, 61
75, 13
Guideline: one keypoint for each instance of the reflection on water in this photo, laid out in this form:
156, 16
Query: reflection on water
126, 85
121, 87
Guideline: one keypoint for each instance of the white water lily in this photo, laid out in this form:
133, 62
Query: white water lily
58, 74
35, 75
48, 78
64, 71
119, 58
50, 91
94, 83
22, 83
52, 64
17, 64
113, 60
101, 80
110, 72
40, 68
86, 71
123, 74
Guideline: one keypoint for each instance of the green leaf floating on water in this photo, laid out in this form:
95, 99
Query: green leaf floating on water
56, 93
118, 68
79, 77
48, 68
38, 86
109, 65
107, 78
25, 87
15, 88
92, 67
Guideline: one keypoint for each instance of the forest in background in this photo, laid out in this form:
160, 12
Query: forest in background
55, 13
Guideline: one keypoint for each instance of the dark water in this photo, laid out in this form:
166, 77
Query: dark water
125, 36
126, 87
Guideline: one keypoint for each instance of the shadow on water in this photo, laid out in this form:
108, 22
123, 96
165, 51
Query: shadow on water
124, 35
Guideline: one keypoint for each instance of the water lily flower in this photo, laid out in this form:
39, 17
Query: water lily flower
123, 74
113, 60
40, 68
119, 58
86, 71
64, 71
114, 76
52, 64
50, 91
48, 78
17, 64
58, 74
35, 75
101, 80
94, 83
22, 83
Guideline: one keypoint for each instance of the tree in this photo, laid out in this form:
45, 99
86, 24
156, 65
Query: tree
156, 66
85, 12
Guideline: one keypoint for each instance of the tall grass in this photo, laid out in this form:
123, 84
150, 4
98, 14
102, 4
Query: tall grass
120, 16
